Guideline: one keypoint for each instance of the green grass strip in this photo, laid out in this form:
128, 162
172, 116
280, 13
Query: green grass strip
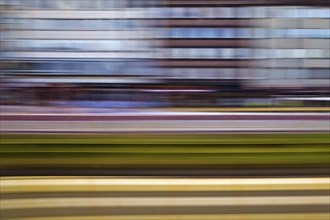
66, 151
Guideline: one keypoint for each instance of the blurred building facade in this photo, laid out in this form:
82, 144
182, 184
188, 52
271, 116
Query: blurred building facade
76, 50
259, 48
163, 53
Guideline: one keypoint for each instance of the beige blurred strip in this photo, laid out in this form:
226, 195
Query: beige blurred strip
160, 201
166, 126
301, 216
53, 184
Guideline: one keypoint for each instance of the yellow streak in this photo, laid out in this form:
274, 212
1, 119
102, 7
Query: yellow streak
301, 216
48, 184
161, 201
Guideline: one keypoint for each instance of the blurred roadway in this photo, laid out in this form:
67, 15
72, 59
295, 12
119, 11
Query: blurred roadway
158, 122
164, 198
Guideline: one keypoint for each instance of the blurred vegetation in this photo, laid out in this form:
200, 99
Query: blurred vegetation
24, 151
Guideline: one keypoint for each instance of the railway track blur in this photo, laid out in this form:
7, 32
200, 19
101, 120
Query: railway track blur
126, 198
58, 166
